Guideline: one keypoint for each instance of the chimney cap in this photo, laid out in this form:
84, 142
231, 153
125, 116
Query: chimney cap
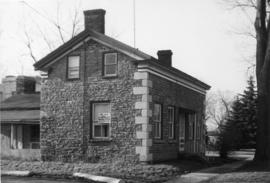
95, 11
164, 52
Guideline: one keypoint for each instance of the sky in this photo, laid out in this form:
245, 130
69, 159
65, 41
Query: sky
204, 36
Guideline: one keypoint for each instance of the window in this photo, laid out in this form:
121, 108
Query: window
73, 67
110, 64
171, 122
157, 120
101, 120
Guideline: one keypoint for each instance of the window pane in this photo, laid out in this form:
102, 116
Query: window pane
102, 112
73, 61
157, 112
97, 130
110, 69
171, 114
110, 58
105, 130
158, 130
170, 130
73, 67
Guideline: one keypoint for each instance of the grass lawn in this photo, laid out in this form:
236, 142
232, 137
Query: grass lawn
250, 172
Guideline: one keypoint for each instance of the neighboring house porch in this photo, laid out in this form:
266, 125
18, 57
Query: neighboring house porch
20, 127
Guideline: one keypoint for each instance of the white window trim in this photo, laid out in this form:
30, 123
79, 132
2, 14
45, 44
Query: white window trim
94, 123
172, 123
104, 65
158, 122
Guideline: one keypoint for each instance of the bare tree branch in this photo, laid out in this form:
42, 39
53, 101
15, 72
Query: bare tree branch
75, 23
28, 44
44, 37
218, 106
57, 24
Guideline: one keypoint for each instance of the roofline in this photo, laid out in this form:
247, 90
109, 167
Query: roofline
170, 73
64, 46
86, 35
24, 121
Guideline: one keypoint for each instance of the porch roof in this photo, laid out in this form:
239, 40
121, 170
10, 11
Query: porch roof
20, 116
21, 102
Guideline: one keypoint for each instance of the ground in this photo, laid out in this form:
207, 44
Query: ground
250, 172
259, 177
243, 170
130, 173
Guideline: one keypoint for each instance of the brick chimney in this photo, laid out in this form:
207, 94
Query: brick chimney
95, 20
165, 57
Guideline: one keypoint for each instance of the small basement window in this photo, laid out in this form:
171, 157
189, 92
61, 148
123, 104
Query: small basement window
101, 120
110, 64
73, 67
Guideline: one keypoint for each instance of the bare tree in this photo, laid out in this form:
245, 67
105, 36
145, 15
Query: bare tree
218, 105
61, 33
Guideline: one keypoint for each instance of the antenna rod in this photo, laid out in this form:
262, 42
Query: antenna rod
134, 25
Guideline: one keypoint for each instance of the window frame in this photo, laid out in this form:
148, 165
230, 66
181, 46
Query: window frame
172, 123
67, 68
158, 122
104, 65
93, 123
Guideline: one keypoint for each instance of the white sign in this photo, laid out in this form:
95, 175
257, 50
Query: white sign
104, 117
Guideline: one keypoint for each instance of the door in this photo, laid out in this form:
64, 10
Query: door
182, 122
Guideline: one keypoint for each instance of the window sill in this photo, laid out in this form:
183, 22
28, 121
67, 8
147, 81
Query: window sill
96, 140
73, 79
110, 77
172, 141
158, 141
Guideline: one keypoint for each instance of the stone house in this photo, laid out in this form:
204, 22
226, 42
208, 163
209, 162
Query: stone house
105, 101
20, 117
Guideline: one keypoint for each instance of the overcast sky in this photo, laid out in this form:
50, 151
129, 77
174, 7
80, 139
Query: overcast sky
201, 34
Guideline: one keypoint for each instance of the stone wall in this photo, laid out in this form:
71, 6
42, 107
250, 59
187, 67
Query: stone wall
66, 109
168, 93
61, 124
118, 91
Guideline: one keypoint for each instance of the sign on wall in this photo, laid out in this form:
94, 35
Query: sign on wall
104, 117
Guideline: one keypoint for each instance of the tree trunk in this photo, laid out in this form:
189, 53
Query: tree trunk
263, 82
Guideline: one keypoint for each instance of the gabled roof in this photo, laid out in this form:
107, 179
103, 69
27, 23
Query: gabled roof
21, 102
90, 34
139, 57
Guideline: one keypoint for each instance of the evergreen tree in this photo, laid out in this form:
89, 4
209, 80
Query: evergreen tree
230, 133
239, 131
249, 126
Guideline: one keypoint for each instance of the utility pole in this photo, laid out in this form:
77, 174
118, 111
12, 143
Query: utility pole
134, 24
